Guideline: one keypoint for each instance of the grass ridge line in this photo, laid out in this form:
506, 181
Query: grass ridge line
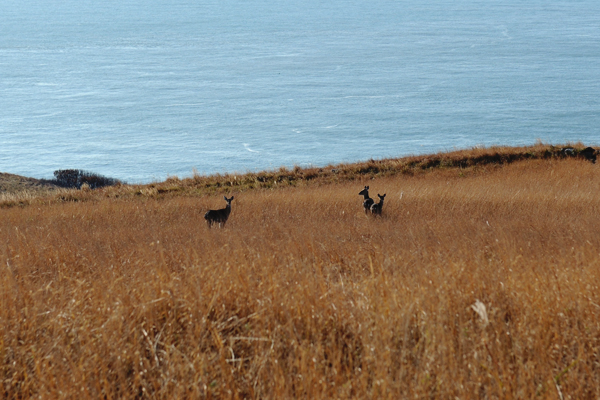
466, 160
410, 165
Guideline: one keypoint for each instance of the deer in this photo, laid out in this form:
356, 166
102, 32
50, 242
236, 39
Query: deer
219, 216
376, 208
368, 202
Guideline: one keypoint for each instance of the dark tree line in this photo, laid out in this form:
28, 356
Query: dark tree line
76, 178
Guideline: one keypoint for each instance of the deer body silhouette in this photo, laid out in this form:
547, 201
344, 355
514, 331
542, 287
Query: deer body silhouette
376, 208
219, 216
368, 202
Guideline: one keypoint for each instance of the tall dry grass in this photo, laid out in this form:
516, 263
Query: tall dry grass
476, 286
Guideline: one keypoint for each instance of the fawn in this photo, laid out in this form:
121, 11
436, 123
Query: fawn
368, 202
219, 216
377, 207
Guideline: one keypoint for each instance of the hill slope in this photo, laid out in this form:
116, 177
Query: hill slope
10, 183
463, 162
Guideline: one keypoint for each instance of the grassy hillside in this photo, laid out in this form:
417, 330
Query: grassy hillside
479, 281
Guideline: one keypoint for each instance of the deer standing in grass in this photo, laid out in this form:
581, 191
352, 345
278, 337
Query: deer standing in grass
219, 216
376, 208
368, 202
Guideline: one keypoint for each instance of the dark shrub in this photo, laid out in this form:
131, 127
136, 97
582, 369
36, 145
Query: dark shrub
74, 178
589, 153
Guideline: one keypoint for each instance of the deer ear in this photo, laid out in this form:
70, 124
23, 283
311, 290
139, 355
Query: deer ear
231, 198
225, 197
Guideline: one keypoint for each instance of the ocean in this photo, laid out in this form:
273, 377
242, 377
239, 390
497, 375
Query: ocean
143, 90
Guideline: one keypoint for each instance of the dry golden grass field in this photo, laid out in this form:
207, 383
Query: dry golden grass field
476, 283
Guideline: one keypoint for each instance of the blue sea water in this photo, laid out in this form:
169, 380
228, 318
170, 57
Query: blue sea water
142, 90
